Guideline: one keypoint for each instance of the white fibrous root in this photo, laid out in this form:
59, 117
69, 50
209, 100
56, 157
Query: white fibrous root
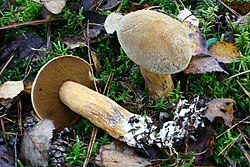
188, 118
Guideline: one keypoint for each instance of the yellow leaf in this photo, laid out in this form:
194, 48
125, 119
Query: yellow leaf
224, 52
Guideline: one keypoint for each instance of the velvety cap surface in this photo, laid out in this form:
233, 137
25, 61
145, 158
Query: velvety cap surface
155, 41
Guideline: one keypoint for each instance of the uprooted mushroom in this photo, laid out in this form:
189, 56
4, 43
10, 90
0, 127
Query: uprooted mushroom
62, 90
156, 42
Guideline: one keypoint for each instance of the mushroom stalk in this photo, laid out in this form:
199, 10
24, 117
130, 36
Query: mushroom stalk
99, 109
159, 85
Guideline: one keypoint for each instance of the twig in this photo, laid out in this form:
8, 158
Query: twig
233, 11
108, 84
243, 150
7, 63
230, 161
229, 145
15, 149
244, 89
36, 22
244, 72
244, 137
177, 7
19, 112
95, 129
1, 116
48, 37
3, 131
232, 127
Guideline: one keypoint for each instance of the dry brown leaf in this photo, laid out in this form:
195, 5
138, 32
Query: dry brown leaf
203, 64
74, 41
198, 43
10, 89
204, 142
186, 15
54, 6
96, 61
224, 52
36, 143
221, 107
239, 6
118, 154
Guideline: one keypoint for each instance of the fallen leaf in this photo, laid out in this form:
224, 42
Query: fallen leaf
10, 89
95, 21
100, 5
186, 15
21, 43
224, 52
54, 6
74, 41
96, 61
118, 154
203, 146
221, 107
239, 6
203, 64
36, 143
197, 41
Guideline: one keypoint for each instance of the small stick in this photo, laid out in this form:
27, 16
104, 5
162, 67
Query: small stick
243, 150
230, 161
244, 72
108, 84
244, 137
36, 22
244, 89
7, 63
3, 131
229, 145
232, 127
19, 112
233, 11
95, 129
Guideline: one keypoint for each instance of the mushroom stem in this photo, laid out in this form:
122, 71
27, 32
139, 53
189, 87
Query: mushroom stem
99, 109
159, 85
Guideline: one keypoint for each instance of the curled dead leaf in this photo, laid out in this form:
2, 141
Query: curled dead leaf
96, 61
224, 52
203, 64
197, 41
221, 107
119, 154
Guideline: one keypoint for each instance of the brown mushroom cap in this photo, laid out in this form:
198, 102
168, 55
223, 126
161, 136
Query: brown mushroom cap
45, 90
155, 41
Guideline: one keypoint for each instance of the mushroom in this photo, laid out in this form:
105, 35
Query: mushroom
62, 90
65, 85
157, 43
